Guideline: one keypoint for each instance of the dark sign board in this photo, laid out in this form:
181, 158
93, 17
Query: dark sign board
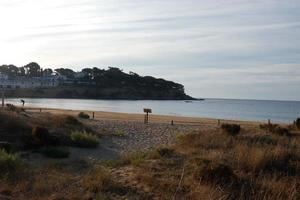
147, 110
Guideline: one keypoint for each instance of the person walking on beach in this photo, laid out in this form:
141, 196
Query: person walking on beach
23, 102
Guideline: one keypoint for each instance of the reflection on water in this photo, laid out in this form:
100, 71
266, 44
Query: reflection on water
280, 111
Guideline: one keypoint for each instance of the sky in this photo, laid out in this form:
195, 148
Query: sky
218, 48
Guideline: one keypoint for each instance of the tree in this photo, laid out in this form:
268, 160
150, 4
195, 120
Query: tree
65, 72
33, 69
9, 70
47, 72
21, 71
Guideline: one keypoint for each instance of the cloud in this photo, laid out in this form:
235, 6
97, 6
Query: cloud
214, 48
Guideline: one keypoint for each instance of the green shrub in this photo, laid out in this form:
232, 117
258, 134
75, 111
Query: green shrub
84, 139
231, 129
119, 133
9, 164
55, 152
83, 115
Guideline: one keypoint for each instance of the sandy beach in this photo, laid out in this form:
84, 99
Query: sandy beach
153, 118
123, 133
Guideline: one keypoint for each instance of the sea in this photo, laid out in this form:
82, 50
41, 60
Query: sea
232, 109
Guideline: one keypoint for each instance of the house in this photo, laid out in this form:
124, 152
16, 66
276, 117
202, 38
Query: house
28, 82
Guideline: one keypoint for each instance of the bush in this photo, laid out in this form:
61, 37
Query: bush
66, 120
83, 115
97, 180
11, 107
55, 152
212, 172
12, 123
231, 129
276, 129
165, 152
281, 131
9, 164
268, 127
297, 123
119, 133
136, 158
41, 133
84, 139
40, 137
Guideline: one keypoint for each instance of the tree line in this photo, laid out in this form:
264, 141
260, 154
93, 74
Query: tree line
111, 77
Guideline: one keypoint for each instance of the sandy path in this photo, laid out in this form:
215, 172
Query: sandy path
122, 137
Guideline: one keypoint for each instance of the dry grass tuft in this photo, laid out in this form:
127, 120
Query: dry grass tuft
98, 180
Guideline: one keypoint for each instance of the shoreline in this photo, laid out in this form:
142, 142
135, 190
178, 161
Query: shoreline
153, 118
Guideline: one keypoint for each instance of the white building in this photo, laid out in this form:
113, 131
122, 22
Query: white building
26, 82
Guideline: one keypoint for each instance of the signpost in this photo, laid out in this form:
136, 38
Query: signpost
147, 111
2, 94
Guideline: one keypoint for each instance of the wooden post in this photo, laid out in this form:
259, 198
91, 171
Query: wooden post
172, 122
2, 93
93, 115
147, 111
40, 110
219, 122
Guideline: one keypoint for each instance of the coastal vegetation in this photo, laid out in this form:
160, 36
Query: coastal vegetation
83, 115
96, 83
230, 161
84, 139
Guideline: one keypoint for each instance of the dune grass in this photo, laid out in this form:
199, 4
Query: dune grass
85, 139
10, 164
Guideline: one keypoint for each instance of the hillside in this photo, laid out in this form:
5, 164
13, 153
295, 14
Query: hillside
95, 83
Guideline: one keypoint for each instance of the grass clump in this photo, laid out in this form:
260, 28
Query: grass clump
66, 121
268, 127
41, 133
231, 129
275, 129
136, 158
83, 115
281, 131
119, 133
9, 164
55, 152
98, 180
214, 172
84, 139
39, 137
161, 152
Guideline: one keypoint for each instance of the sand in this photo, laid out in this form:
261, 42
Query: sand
101, 115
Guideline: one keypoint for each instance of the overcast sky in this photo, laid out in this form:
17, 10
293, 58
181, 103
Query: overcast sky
216, 48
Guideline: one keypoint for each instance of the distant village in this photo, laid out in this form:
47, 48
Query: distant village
45, 81
32, 76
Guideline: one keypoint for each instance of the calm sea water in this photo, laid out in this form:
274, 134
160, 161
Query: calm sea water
258, 110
